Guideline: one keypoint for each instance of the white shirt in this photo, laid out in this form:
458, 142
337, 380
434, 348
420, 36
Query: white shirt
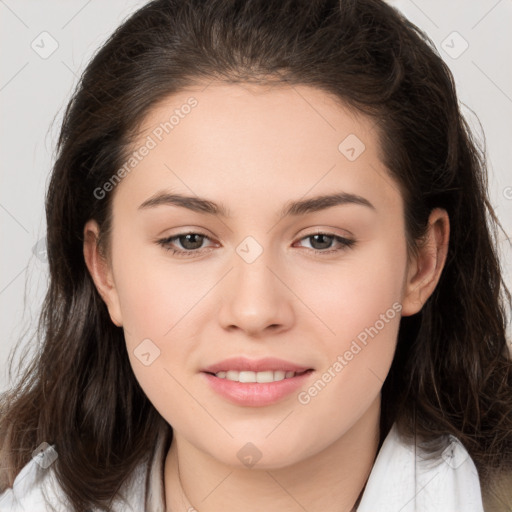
400, 481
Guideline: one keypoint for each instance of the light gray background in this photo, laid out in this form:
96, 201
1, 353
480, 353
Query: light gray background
35, 87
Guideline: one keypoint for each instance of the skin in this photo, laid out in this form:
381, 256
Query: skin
254, 149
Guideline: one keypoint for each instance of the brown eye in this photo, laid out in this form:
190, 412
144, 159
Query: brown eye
184, 244
322, 243
191, 241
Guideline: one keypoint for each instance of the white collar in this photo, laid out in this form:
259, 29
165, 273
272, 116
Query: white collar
404, 480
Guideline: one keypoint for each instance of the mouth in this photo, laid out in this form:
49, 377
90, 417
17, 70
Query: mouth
256, 383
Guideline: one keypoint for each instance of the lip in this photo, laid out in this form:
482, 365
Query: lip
254, 365
254, 394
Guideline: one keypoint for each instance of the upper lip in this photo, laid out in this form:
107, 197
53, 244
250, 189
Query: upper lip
255, 365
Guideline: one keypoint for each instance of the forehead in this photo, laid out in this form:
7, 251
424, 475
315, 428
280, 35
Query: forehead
280, 141
284, 117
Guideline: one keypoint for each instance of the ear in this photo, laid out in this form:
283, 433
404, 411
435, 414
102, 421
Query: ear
424, 271
101, 271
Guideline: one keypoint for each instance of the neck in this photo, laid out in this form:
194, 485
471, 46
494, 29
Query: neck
329, 481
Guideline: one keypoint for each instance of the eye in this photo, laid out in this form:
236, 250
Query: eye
190, 242
321, 243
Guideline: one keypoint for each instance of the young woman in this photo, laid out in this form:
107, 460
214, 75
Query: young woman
274, 276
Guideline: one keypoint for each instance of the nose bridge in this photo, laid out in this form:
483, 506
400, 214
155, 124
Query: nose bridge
254, 282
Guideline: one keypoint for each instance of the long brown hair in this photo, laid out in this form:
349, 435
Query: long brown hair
452, 371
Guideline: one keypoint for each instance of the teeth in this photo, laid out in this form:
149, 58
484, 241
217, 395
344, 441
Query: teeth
247, 376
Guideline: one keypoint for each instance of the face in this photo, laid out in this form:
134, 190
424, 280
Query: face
320, 285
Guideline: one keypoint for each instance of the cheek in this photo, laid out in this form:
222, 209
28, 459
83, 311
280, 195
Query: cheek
153, 294
356, 360
350, 295
360, 304
157, 306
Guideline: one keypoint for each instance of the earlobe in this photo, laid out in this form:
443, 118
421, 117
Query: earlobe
101, 272
425, 270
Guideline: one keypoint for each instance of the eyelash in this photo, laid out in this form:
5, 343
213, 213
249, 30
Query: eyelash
345, 243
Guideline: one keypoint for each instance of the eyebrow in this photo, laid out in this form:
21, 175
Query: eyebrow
293, 208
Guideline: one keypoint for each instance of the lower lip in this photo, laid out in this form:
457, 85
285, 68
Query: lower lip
254, 394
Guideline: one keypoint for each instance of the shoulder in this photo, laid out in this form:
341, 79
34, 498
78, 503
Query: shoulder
36, 488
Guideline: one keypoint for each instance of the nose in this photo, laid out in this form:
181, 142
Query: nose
256, 298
